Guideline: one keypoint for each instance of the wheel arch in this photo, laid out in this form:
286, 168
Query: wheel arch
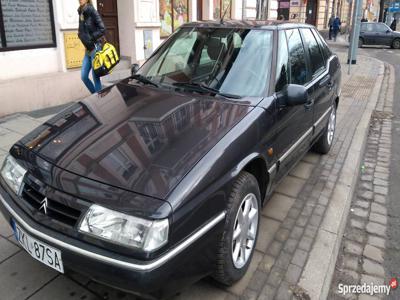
257, 166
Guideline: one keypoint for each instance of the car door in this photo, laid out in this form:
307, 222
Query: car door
294, 123
321, 82
383, 34
368, 33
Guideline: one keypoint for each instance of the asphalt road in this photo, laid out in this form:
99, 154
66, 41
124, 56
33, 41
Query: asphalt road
392, 255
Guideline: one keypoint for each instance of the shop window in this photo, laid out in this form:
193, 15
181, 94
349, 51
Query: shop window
26, 24
173, 13
220, 6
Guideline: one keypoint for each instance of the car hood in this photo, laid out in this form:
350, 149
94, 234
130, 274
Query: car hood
137, 138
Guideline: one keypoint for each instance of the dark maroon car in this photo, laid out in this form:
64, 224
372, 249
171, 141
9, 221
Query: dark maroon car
159, 180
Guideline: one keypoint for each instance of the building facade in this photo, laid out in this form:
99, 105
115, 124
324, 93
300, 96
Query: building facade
40, 50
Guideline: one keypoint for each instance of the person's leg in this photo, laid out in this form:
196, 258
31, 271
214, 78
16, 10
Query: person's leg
86, 66
97, 81
330, 32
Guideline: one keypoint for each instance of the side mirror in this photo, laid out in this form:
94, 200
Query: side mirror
292, 95
134, 69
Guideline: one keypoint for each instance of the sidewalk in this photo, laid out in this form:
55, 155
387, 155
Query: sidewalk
301, 226
46, 90
369, 248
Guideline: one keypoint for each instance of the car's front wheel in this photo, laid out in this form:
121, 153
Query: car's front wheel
239, 238
324, 143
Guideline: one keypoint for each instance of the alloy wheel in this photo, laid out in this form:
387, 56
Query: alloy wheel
331, 126
245, 231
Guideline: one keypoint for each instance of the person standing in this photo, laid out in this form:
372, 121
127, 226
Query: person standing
330, 25
336, 27
393, 25
91, 33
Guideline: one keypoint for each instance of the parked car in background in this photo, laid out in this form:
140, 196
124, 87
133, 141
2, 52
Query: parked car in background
378, 34
160, 179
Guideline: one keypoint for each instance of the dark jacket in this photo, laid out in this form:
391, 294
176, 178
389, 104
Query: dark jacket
393, 25
336, 24
91, 26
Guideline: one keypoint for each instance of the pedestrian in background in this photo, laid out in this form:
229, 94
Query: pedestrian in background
91, 33
393, 25
330, 25
336, 27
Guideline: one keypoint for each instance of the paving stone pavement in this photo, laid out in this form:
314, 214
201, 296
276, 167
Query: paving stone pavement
288, 227
362, 251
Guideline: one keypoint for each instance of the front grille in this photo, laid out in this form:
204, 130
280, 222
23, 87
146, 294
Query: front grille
55, 210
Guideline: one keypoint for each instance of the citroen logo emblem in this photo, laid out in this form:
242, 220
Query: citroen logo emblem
43, 205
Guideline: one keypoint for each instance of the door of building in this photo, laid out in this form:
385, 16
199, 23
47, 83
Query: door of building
109, 13
311, 12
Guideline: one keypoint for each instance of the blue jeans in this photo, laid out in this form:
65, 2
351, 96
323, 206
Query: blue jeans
86, 67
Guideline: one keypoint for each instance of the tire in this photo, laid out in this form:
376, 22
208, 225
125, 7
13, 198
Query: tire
360, 43
324, 143
245, 195
396, 44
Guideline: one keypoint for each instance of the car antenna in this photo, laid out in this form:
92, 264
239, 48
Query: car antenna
226, 10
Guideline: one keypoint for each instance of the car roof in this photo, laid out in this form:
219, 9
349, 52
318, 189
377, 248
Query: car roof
251, 24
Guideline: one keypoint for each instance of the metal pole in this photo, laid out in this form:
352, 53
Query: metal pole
355, 33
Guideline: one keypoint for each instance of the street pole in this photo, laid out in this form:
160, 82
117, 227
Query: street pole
355, 33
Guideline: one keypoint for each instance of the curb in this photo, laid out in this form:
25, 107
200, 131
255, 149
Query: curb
318, 271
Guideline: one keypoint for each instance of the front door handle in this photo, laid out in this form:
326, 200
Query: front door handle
309, 104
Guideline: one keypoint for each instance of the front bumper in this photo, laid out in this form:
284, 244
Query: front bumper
184, 264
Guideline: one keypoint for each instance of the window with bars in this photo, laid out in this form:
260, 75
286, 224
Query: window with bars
26, 24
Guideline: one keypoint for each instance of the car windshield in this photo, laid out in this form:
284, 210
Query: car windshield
228, 61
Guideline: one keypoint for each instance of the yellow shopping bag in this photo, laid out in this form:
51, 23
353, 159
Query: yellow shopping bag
105, 60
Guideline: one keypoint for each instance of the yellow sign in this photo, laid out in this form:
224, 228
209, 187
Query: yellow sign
74, 50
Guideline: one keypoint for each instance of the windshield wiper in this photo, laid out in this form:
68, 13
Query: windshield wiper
143, 79
204, 88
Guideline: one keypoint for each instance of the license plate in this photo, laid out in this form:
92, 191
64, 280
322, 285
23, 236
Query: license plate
39, 250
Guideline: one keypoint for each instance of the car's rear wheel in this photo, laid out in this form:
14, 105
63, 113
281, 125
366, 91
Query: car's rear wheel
360, 43
324, 143
239, 238
396, 44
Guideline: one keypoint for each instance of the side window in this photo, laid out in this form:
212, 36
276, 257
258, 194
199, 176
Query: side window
282, 72
322, 44
380, 28
369, 27
316, 59
298, 68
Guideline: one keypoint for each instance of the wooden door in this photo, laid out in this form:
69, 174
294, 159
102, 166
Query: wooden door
311, 12
109, 13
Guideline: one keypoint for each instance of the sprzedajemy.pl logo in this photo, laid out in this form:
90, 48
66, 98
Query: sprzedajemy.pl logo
369, 289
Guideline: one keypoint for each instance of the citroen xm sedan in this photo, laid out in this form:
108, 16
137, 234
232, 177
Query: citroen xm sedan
159, 180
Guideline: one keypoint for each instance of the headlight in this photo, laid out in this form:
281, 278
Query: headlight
124, 229
13, 173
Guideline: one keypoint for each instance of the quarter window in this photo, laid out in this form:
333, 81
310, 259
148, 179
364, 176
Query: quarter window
316, 59
298, 68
